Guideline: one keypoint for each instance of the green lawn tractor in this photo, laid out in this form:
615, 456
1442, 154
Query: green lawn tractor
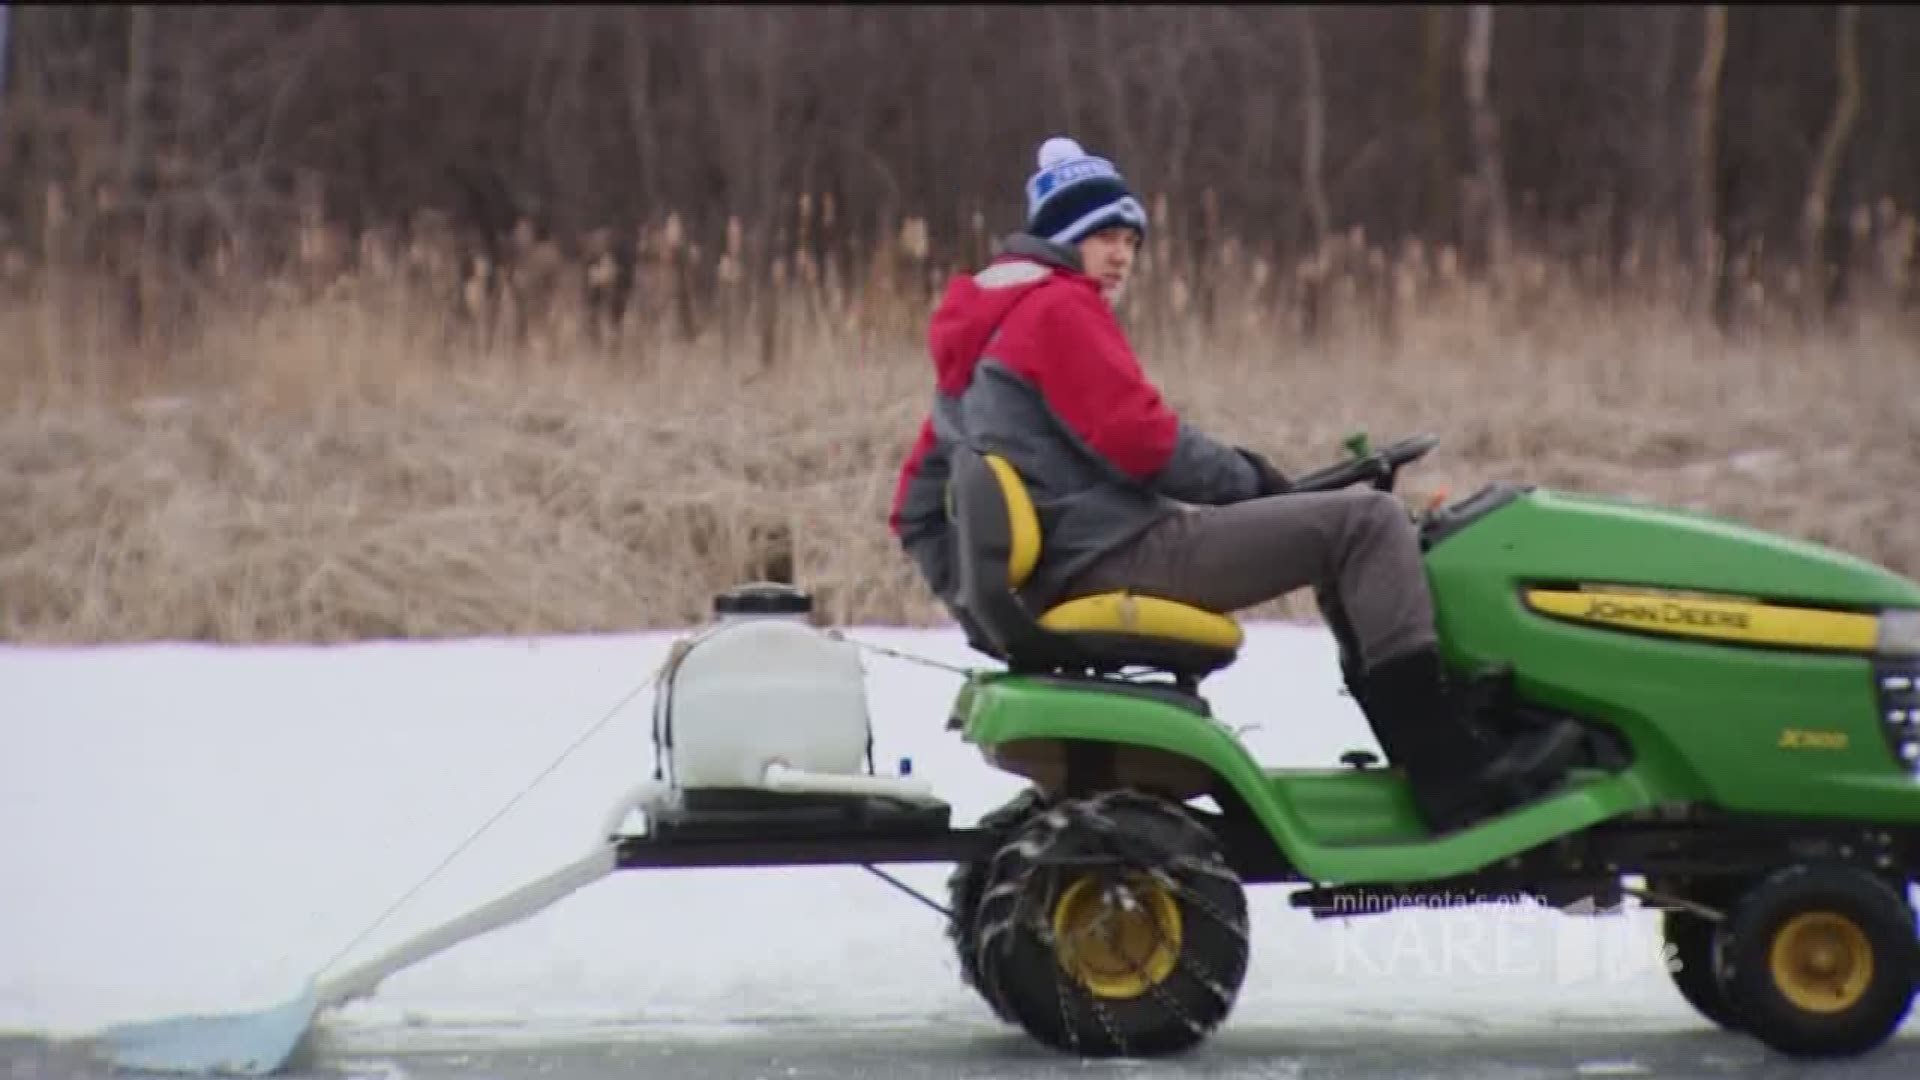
1749, 765
1751, 768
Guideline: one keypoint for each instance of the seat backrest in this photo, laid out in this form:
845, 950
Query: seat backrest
999, 542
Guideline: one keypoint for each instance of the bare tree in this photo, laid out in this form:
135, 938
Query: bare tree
1313, 135
1708, 236
1434, 96
1705, 118
133, 133
1833, 144
1478, 58
610, 118
1649, 146
6, 12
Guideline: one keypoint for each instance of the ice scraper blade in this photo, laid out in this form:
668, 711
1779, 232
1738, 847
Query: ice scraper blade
239, 1044
260, 1043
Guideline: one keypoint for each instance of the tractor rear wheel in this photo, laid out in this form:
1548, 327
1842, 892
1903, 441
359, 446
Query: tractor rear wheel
1112, 925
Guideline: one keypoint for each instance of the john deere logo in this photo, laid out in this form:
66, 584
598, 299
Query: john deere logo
1732, 620
1665, 613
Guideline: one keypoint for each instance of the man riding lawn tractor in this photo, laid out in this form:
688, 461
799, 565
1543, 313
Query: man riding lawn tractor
1032, 367
1721, 723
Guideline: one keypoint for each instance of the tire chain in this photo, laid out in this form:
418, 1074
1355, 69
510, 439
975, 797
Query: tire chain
964, 884
1030, 853
1208, 979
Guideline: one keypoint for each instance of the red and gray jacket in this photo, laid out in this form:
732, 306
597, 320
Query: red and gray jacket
1030, 363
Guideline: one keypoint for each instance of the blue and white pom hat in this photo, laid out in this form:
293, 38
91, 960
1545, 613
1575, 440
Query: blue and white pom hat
1076, 194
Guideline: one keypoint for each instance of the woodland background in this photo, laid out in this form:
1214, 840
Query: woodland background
322, 323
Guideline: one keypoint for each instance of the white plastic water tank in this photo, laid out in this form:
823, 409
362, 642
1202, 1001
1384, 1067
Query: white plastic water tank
764, 686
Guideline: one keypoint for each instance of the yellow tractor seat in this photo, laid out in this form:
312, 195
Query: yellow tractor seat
1132, 615
999, 546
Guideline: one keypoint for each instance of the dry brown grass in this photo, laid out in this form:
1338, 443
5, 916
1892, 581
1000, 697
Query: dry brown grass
347, 463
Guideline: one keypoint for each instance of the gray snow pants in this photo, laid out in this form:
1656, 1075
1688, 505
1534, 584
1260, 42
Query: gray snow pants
1356, 546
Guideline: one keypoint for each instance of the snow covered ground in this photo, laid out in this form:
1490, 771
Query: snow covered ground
194, 829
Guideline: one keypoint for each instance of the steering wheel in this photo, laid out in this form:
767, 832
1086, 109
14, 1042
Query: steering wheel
1380, 467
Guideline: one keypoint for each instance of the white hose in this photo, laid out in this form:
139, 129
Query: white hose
642, 797
779, 777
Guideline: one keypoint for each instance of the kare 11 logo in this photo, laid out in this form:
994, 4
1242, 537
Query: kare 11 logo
1580, 943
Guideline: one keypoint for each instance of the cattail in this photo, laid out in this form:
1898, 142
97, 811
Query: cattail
1533, 273
1901, 243
1406, 283
602, 272
475, 291
55, 213
913, 238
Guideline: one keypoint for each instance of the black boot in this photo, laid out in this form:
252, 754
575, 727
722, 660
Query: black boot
1454, 772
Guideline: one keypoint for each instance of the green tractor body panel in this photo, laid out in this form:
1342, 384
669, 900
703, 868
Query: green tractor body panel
1554, 536
1333, 826
1748, 729
1744, 728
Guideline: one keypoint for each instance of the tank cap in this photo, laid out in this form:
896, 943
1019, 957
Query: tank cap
763, 598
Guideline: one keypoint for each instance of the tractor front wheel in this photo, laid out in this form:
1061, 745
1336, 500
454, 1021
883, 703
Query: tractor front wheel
1819, 960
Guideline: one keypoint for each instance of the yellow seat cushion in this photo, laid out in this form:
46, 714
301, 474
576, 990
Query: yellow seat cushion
1144, 616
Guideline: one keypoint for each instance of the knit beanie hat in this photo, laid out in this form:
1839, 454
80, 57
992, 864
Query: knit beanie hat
1075, 195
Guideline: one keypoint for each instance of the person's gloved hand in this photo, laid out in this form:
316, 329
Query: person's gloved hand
1272, 480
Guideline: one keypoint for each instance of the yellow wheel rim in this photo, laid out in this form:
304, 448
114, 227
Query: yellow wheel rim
1118, 939
1822, 961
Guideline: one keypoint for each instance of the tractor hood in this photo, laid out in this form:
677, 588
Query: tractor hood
1548, 537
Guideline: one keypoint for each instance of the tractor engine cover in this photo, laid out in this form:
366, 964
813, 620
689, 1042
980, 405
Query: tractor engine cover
762, 687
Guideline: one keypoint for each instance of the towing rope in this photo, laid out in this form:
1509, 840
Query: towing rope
674, 653
927, 661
